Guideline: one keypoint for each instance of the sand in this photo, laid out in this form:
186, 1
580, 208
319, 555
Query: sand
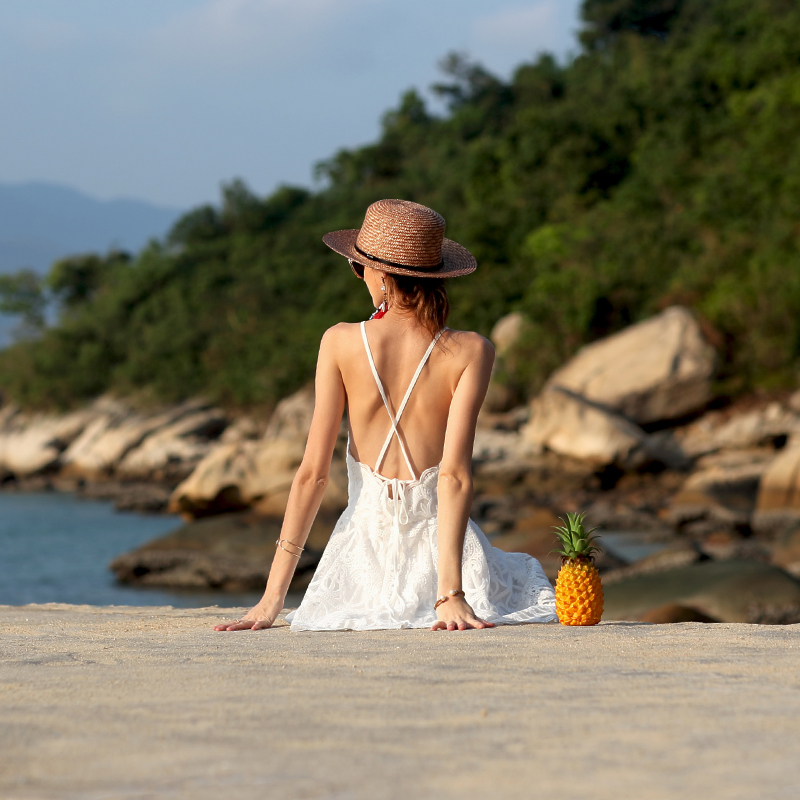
120, 702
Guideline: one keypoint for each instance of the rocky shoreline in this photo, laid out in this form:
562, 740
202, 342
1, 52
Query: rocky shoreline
630, 430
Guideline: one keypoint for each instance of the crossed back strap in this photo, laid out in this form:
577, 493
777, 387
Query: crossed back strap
395, 420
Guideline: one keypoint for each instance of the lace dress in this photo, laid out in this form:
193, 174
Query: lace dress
378, 570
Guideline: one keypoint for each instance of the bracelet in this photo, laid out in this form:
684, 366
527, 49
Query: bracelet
281, 542
445, 597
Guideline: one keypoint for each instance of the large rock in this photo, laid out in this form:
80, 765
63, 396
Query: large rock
111, 439
116, 430
732, 477
573, 426
720, 494
171, 453
780, 483
724, 591
656, 370
778, 504
232, 552
678, 553
259, 473
769, 426
502, 394
507, 332
786, 552
33, 444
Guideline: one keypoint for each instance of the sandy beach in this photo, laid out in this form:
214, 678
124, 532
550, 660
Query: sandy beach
123, 702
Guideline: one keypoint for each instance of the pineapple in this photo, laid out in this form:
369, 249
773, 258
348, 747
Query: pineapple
579, 593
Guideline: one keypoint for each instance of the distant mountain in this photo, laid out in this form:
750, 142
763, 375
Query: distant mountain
40, 222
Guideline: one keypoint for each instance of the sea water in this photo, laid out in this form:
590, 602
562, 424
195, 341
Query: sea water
55, 548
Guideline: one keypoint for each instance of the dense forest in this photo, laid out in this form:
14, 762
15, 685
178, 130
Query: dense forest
659, 166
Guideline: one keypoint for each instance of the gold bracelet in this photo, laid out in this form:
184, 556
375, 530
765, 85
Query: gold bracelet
445, 597
281, 542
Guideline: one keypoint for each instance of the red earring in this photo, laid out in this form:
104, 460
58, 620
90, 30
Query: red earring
381, 310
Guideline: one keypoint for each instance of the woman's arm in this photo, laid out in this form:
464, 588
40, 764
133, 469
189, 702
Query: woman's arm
308, 486
455, 486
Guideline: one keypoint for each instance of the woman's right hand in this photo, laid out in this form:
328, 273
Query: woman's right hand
456, 614
260, 616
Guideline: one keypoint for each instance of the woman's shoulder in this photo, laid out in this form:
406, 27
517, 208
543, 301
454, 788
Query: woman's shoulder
341, 332
340, 342
471, 344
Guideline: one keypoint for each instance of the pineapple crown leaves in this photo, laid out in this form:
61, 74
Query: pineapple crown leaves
576, 542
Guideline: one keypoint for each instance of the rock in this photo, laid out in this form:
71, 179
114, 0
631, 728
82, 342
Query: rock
770, 426
655, 370
217, 484
242, 429
107, 438
570, 425
128, 496
778, 503
728, 591
259, 474
232, 552
507, 331
502, 393
777, 615
677, 554
116, 430
511, 420
720, 495
731, 477
786, 552
698, 515
672, 613
172, 452
780, 483
620, 517
499, 397
534, 519
291, 419
723, 547
497, 445
32, 444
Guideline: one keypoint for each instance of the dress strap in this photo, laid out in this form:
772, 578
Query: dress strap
395, 420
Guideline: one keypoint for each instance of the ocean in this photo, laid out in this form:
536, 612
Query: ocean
55, 548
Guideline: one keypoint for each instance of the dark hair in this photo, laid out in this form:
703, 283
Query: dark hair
425, 297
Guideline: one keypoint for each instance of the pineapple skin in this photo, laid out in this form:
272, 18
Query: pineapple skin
579, 594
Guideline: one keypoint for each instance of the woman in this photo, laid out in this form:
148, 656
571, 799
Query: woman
404, 554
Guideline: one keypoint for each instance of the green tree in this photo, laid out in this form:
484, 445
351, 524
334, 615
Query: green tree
21, 295
75, 280
658, 166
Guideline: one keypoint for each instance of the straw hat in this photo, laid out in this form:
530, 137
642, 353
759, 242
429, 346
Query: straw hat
403, 238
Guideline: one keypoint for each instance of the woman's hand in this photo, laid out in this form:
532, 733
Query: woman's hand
456, 615
260, 616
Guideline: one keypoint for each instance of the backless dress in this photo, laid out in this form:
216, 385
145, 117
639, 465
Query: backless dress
379, 569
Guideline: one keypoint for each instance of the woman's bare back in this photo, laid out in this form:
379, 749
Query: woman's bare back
397, 348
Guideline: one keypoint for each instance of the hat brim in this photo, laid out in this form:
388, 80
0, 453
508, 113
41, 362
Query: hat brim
456, 260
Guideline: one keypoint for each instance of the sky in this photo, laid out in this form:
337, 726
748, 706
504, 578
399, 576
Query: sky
162, 100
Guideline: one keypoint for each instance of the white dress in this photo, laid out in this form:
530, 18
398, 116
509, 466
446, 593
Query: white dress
378, 570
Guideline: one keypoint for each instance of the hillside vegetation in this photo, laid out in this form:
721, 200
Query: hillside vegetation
659, 166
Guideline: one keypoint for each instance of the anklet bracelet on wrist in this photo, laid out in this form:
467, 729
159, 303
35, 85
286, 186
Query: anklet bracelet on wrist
281, 542
445, 597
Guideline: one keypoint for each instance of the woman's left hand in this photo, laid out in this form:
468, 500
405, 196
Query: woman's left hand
456, 615
261, 616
